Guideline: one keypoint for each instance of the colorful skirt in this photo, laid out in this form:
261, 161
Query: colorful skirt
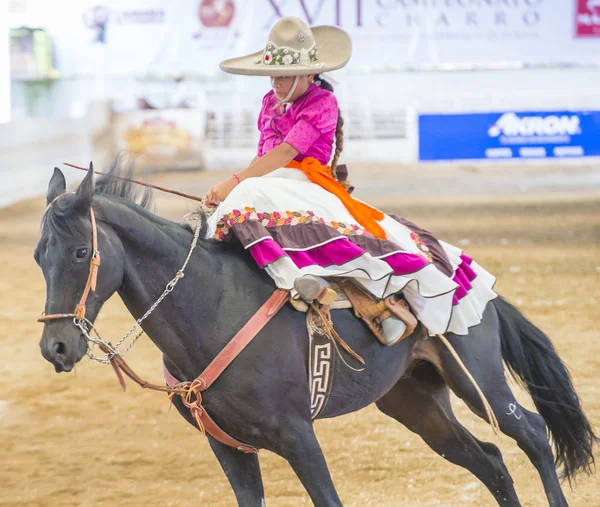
294, 227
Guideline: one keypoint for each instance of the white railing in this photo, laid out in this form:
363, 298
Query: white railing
227, 127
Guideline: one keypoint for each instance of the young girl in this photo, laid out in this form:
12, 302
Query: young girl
300, 224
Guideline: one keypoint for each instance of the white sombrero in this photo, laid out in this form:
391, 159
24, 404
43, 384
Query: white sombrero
295, 49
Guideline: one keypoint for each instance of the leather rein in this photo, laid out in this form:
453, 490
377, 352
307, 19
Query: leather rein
190, 392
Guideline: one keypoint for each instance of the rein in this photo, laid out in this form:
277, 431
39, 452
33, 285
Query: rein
156, 187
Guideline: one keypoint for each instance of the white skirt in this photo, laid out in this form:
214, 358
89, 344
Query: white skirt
293, 227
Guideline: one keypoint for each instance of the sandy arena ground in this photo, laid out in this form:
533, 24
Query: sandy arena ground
77, 440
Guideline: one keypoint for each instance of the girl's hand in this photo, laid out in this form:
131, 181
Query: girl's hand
219, 192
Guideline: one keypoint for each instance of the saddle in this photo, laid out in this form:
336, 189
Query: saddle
371, 310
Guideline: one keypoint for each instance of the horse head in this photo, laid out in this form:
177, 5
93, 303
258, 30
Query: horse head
66, 254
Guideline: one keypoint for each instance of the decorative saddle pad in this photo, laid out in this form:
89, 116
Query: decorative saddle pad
320, 363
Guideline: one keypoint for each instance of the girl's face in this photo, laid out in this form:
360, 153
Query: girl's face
283, 84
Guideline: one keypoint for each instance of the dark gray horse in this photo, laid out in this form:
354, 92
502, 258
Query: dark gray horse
263, 397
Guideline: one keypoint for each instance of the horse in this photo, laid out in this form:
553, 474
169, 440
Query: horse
263, 397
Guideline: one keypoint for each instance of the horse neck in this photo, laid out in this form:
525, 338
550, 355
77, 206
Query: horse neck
154, 250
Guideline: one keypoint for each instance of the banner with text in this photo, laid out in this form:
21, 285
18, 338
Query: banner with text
512, 134
192, 36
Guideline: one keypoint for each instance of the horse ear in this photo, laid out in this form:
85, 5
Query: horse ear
85, 191
57, 185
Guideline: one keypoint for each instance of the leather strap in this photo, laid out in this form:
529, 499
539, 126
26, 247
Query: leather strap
238, 343
323, 313
79, 312
93, 275
205, 421
243, 337
373, 312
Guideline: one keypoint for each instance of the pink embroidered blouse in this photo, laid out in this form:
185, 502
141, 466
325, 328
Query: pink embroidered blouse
308, 124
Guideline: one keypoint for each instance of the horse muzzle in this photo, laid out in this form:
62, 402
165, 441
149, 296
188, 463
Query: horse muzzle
64, 354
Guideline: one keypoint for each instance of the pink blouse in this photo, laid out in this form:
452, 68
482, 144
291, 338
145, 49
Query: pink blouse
308, 124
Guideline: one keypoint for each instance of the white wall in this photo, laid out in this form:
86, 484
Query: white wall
31, 147
4, 67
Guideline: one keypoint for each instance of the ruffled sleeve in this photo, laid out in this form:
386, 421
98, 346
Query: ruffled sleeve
319, 114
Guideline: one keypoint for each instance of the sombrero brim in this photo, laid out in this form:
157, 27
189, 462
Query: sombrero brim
334, 49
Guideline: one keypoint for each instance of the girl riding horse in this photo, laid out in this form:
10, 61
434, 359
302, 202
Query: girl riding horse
300, 223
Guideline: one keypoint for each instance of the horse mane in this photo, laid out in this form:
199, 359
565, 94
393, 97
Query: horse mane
116, 183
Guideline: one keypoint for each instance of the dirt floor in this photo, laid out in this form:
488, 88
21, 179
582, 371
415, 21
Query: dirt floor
77, 440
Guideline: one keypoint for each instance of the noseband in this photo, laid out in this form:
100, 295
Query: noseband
80, 309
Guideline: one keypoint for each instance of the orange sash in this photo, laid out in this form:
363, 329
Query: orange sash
364, 214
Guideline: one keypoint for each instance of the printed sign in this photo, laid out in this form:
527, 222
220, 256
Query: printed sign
539, 134
587, 18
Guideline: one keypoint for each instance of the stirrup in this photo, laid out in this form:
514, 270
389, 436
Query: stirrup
400, 314
310, 289
393, 330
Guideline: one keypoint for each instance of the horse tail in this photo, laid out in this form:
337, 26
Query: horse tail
534, 363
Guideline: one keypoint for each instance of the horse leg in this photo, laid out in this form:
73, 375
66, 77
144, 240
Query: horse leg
527, 428
298, 444
482, 356
241, 469
421, 402
531, 437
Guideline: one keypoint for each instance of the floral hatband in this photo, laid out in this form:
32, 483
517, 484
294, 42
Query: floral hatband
281, 55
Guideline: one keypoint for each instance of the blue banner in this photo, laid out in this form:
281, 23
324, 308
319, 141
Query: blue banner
512, 134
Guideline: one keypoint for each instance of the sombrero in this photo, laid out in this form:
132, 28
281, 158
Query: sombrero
295, 49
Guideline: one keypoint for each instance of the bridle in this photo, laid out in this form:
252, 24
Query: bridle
79, 313
80, 309
112, 353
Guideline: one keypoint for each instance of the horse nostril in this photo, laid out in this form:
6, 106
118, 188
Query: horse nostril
60, 349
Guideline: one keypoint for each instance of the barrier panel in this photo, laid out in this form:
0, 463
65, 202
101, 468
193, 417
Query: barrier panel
508, 135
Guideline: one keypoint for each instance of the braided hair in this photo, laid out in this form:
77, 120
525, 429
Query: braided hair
339, 132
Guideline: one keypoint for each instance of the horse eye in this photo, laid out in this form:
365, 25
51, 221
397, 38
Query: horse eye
81, 253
